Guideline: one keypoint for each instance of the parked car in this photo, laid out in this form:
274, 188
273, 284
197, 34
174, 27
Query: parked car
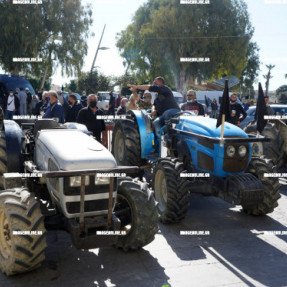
66, 95
278, 110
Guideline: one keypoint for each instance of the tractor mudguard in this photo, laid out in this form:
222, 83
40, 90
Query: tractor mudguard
13, 134
145, 132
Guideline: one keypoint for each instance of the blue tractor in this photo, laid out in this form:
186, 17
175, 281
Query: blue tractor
190, 157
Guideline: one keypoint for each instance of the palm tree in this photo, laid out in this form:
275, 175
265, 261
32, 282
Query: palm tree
268, 77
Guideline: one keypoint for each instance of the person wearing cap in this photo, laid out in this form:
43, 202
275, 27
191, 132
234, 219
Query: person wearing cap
122, 108
29, 101
73, 109
192, 105
237, 113
23, 102
55, 109
269, 109
11, 105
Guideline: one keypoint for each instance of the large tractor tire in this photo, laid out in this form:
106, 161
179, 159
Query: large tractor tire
3, 158
273, 149
20, 213
126, 145
259, 166
171, 190
136, 208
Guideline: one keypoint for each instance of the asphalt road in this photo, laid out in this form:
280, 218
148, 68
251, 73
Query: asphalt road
239, 251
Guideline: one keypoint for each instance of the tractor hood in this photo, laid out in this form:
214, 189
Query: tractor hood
71, 150
207, 127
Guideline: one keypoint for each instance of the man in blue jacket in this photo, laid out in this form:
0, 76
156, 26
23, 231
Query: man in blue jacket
55, 109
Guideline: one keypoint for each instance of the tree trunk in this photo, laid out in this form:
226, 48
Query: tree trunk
181, 81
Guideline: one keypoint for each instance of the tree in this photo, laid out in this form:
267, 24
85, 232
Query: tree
281, 89
54, 31
163, 31
36, 83
268, 77
93, 82
73, 86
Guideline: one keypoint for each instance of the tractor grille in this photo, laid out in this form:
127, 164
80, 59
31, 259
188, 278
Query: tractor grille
91, 205
236, 163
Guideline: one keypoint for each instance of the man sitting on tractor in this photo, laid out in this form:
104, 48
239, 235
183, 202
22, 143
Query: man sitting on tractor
165, 106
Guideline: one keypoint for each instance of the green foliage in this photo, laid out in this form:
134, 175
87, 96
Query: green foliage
55, 31
163, 31
281, 89
282, 98
93, 82
72, 86
36, 83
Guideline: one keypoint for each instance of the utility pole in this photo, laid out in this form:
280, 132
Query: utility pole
103, 48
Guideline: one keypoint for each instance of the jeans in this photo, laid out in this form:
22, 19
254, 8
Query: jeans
159, 122
9, 115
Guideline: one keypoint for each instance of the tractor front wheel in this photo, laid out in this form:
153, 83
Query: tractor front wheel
171, 190
22, 232
136, 208
259, 166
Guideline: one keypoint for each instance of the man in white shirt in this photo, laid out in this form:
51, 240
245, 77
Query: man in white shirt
12, 105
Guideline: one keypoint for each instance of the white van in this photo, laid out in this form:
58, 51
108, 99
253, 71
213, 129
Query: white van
211, 95
103, 100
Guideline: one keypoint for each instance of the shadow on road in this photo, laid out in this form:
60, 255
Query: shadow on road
235, 241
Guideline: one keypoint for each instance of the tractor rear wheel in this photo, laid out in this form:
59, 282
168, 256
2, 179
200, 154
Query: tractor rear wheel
273, 149
259, 166
171, 190
126, 144
3, 158
136, 208
22, 232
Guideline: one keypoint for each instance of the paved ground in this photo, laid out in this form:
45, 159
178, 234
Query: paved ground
238, 252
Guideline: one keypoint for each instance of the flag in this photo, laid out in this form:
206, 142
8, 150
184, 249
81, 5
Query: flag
224, 107
261, 110
206, 102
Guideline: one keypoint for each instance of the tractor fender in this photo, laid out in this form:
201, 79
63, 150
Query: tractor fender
145, 131
13, 134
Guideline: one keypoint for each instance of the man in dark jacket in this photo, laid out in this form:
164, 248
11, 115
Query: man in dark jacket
122, 108
89, 117
237, 113
55, 110
165, 106
192, 105
73, 109
112, 104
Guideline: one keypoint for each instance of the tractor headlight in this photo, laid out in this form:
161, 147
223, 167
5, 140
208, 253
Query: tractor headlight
101, 180
76, 180
230, 151
242, 150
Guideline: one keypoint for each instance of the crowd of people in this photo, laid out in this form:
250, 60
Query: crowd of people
52, 104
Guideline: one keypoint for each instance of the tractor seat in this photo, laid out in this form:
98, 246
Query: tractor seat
45, 124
